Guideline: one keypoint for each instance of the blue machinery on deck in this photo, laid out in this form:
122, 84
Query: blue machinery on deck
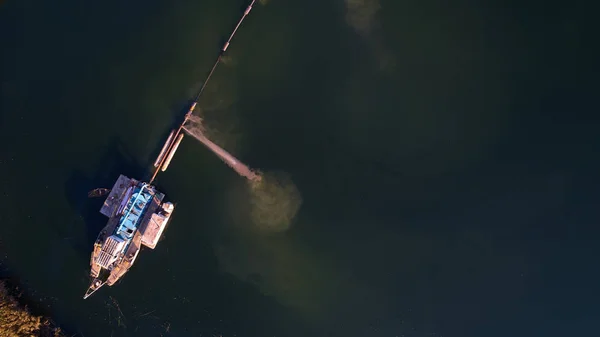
172, 143
127, 224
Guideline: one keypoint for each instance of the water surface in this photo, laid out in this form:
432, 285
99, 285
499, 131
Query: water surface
445, 152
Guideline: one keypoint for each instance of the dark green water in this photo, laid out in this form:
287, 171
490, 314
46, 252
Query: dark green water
446, 153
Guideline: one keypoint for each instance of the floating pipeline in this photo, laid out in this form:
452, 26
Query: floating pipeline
163, 160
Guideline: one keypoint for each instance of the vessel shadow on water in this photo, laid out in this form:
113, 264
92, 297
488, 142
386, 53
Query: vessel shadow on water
115, 160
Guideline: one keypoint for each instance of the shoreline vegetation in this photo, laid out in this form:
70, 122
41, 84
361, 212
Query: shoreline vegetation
17, 321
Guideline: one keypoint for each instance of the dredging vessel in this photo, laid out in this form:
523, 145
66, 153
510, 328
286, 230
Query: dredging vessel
137, 216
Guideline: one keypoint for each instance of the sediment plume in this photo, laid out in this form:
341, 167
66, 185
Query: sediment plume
274, 202
364, 17
274, 199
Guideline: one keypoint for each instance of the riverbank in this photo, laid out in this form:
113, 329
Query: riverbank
17, 321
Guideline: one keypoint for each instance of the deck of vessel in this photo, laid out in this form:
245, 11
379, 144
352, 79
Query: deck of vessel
136, 243
129, 257
104, 233
116, 194
95, 267
146, 229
